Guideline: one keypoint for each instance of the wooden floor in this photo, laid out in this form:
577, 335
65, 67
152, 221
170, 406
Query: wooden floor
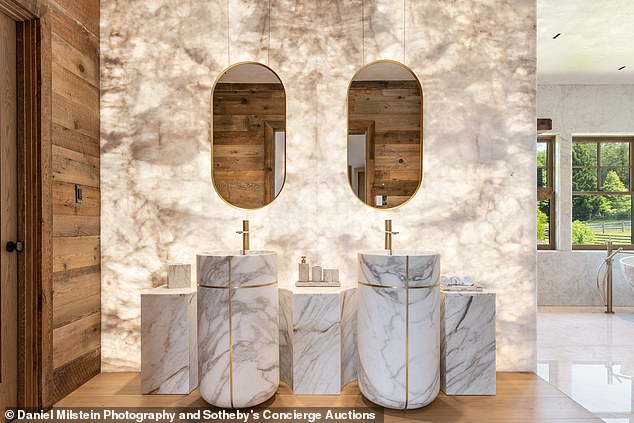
522, 397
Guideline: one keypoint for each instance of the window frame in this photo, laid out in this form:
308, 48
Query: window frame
548, 192
597, 139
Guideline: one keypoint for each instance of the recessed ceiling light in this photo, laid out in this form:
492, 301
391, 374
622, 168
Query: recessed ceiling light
621, 68
557, 35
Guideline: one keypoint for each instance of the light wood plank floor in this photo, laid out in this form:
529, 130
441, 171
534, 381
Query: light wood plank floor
521, 398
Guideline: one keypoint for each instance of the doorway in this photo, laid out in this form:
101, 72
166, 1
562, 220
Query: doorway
8, 215
25, 208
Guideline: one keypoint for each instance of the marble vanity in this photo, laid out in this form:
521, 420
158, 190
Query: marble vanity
318, 350
238, 334
168, 340
398, 327
467, 328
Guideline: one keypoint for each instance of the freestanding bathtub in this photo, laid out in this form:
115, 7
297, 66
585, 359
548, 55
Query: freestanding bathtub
627, 267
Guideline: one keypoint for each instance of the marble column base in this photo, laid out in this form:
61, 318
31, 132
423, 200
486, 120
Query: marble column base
169, 355
467, 357
318, 349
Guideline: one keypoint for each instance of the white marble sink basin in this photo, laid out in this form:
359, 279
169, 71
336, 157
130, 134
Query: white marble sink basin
398, 327
238, 330
256, 267
627, 267
378, 267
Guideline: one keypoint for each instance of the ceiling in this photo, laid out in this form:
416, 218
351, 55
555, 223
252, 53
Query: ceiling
597, 38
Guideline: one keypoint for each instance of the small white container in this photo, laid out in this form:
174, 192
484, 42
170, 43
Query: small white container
331, 275
179, 276
317, 276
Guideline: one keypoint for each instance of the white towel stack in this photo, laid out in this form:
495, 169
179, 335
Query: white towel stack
451, 279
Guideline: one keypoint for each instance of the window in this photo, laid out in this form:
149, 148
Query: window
545, 193
601, 191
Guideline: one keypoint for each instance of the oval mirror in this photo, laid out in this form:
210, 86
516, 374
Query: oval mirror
385, 134
248, 135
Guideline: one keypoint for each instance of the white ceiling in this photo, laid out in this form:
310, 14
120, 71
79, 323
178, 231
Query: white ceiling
597, 38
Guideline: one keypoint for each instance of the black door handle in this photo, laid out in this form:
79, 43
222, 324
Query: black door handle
15, 246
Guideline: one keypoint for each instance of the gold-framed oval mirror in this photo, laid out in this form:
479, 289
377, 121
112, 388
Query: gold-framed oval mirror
385, 134
248, 135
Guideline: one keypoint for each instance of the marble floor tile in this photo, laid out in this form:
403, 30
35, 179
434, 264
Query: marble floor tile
589, 355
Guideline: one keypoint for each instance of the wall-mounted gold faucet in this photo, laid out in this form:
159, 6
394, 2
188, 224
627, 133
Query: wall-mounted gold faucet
388, 235
245, 237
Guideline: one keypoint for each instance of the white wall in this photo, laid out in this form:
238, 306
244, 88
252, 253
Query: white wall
356, 158
280, 160
476, 63
567, 277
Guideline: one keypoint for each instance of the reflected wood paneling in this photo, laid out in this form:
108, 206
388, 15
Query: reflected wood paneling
394, 108
245, 117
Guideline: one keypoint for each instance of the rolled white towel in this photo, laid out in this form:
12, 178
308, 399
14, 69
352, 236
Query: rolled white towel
468, 280
454, 279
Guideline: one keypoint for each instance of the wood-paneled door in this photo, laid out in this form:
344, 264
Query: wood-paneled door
25, 191
8, 216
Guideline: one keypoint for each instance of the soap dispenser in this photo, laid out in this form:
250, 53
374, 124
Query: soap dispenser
304, 270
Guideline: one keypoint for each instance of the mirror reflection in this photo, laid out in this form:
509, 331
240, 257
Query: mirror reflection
249, 135
384, 134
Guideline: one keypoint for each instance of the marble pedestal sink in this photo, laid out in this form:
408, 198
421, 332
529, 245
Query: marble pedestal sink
398, 327
238, 331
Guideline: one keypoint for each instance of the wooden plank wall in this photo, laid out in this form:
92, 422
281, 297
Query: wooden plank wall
395, 108
241, 112
75, 160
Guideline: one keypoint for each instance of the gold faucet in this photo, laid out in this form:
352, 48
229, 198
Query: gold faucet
245, 237
388, 235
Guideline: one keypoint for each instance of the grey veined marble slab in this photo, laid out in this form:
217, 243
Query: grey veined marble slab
398, 328
318, 350
238, 331
467, 323
168, 341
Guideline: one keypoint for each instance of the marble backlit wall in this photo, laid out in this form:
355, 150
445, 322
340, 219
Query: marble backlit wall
476, 62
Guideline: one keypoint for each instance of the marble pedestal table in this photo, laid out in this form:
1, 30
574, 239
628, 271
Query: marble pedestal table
467, 358
318, 352
238, 331
168, 341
